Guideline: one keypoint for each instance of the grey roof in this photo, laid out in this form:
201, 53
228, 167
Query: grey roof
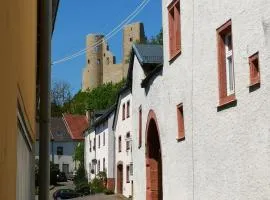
149, 53
105, 115
58, 129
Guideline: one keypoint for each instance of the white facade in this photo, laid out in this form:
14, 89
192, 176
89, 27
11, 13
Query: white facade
65, 161
99, 149
225, 154
123, 151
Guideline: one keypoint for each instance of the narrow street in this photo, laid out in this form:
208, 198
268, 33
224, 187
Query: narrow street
70, 185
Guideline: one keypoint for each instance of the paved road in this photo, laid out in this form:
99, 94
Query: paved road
101, 197
70, 185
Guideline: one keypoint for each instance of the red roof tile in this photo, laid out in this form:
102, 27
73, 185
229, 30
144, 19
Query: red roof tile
76, 125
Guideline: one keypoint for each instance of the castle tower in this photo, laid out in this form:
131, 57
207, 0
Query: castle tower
132, 33
92, 73
100, 61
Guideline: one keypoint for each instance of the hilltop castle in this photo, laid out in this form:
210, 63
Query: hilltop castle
101, 66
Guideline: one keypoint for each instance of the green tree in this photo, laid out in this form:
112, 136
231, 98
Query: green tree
79, 152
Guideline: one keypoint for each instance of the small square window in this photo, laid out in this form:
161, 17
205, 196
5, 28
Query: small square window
131, 39
254, 69
59, 151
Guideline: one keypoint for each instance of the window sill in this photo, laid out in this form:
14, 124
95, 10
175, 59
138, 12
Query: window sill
254, 86
227, 102
254, 83
178, 139
174, 56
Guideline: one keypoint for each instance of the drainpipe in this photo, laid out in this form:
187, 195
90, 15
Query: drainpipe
45, 18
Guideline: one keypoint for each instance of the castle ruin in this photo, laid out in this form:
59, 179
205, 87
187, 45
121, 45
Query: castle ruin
101, 66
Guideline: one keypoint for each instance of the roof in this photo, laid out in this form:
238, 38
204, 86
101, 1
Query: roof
76, 125
55, 5
148, 53
149, 57
105, 116
147, 79
59, 130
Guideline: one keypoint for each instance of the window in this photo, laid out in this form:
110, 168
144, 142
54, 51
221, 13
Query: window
131, 169
123, 111
94, 147
254, 69
98, 61
225, 64
128, 109
128, 172
119, 144
131, 39
180, 119
59, 150
128, 141
174, 28
88, 61
140, 127
90, 144
104, 168
99, 141
104, 139
98, 166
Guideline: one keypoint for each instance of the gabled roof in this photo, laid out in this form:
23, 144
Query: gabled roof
59, 130
105, 116
76, 125
149, 57
148, 53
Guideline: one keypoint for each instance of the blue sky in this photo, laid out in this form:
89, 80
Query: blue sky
77, 18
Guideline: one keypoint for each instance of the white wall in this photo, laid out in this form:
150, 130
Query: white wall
105, 151
66, 158
121, 129
225, 155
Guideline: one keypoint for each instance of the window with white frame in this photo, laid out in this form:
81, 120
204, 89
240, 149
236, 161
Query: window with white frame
229, 64
128, 141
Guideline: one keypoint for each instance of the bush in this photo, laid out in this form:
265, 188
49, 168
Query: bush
108, 192
97, 185
80, 176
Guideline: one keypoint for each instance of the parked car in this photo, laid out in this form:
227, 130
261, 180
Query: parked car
61, 177
70, 176
65, 194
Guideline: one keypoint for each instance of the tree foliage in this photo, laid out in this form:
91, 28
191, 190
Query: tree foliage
99, 98
79, 152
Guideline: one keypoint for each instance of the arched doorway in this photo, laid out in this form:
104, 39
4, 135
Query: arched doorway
153, 160
120, 178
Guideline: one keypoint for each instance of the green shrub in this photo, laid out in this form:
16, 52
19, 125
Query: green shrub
80, 176
97, 185
108, 192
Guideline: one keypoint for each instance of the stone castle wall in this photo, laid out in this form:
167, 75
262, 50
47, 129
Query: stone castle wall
101, 66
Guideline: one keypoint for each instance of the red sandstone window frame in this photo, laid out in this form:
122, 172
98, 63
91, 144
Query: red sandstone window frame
140, 127
128, 174
180, 122
223, 31
123, 111
254, 69
174, 18
128, 109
